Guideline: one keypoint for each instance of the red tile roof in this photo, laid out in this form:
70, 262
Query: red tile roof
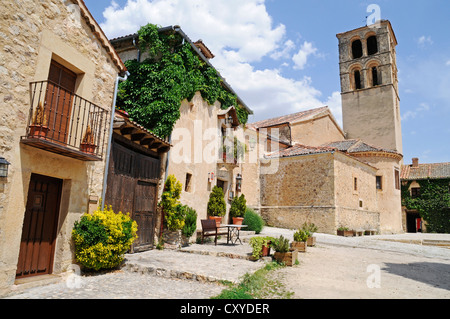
300, 149
290, 118
426, 171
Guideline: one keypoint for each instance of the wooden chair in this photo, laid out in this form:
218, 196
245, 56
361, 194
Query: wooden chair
209, 228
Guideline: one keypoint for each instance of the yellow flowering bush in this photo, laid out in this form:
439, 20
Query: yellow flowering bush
102, 238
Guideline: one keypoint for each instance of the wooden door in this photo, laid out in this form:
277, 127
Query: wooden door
58, 101
39, 227
132, 187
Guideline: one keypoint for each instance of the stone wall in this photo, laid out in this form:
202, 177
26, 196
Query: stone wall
32, 34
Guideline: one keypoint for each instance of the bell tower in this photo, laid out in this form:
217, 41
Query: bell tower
369, 85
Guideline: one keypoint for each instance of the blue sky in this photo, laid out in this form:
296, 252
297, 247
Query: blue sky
281, 56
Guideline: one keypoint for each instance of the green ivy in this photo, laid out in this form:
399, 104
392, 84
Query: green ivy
433, 203
173, 72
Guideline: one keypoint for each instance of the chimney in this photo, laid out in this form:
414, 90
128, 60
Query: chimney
415, 162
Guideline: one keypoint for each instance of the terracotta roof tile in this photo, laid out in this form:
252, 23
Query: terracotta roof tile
357, 146
290, 118
300, 149
425, 171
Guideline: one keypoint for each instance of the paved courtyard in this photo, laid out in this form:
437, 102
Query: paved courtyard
372, 267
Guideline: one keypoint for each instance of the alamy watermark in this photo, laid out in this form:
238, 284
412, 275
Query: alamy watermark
374, 19
374, 279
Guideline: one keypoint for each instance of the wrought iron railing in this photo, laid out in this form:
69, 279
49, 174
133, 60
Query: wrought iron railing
60, 117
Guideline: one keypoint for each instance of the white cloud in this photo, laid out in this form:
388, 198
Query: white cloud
238, 33
411, 114
448, 63
301, 57
424, 40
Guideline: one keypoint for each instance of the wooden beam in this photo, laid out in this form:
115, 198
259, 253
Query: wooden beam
127, 130
137, 136
147, 141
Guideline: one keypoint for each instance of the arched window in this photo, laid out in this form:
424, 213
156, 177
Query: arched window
372, 45
357, 79
375, 81
357, 50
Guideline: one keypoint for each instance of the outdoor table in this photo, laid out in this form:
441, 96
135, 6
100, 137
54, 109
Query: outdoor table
233, 231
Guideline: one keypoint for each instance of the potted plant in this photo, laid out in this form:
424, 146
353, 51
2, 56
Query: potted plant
344, 231
282, 252
39, 126
260, 246
300, 238
87, 143
216, 208
311, 228
237, 209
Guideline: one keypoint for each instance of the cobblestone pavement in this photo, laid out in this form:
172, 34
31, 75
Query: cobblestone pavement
196, 272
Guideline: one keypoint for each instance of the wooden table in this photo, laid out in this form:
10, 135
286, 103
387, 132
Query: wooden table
233, 231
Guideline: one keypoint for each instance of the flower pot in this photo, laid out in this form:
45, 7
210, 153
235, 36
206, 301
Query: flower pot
265, 251
288, 258
238, 221
311, 241
218, 220
299, 246
87, 148
38, 131
345, 233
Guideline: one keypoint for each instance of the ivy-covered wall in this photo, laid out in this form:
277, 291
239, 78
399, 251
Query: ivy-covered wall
433, 203
173, 72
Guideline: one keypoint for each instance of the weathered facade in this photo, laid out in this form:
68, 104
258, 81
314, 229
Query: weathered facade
196, 158
58, 74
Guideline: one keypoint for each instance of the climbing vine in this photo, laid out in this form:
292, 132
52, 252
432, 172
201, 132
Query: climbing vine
172, 72
433, 203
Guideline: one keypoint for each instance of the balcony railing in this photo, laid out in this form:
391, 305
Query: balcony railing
65, 123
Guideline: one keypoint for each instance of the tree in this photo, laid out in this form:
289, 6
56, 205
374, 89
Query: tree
173, 215
216, 203
238, 206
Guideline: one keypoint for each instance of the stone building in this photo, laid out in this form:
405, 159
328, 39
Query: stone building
196, 158
58, 81
347, 177
426, 174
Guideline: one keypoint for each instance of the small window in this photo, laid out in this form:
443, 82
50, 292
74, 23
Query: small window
357, 50
415, 192
375, 76
188, 185
372, 45
360, 203
397, 179
357, 77
355, 183
379, 183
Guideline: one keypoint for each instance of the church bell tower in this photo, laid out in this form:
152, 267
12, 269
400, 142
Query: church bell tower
369, 85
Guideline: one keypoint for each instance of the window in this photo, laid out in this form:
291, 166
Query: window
379, 183
372, 45
355, 183
375, 76
397, 179
357, 50
415, 192
357, 78
188, 185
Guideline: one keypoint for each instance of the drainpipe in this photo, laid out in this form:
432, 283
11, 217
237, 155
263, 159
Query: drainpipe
108, 148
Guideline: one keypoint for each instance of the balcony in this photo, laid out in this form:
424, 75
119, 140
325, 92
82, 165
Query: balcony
64, 123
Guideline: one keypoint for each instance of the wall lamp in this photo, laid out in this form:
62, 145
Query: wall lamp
4, 167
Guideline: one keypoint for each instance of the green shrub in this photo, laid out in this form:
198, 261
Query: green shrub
281, 244
173, 214
102, 238
310, 227
238, 206
257, 243
216, 203
190, 222
253, 221
301, 235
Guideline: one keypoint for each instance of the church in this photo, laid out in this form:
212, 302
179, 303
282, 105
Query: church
345, 177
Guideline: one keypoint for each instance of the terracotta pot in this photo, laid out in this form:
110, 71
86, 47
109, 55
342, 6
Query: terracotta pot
38, 131
265, 251
88, 148
238, 221
217, 219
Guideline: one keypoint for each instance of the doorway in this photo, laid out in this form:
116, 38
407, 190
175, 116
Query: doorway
38, 240
413, 222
